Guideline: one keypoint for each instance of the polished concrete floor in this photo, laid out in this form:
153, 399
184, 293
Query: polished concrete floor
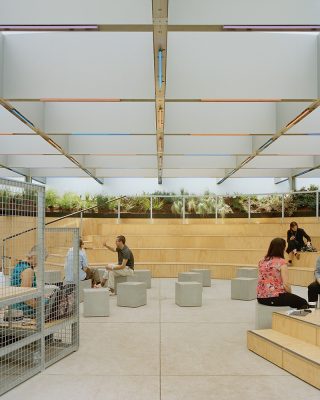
162, 351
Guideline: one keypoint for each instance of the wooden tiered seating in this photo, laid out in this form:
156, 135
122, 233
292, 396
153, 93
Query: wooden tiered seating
168, 247
293, 344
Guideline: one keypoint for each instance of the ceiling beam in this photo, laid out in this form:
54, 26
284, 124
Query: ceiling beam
52, 143
160, 36
276, 136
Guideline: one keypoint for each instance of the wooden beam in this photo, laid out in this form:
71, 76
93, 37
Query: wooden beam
160, 34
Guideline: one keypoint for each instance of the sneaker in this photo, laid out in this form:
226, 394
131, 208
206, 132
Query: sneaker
111, 293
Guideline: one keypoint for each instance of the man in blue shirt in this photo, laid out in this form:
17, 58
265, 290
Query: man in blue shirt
84, 271
314, 287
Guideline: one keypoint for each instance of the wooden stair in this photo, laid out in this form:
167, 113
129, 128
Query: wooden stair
293, 344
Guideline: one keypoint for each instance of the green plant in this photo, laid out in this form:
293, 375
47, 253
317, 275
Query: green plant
70, 201
306, 200
177, 207
52, 198
157, 204
105, 203
89, 201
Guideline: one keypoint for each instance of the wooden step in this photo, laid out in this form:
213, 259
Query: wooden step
307, 260
305, 328
300, 276
275, 230
190, 241
242, 256
293, 355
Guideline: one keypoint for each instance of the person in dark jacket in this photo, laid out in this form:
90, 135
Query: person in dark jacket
295, 241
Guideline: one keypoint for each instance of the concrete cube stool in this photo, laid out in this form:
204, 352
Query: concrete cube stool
132, 294
263, 317
86, 284
188, 294
141, 275
244, 288
119, 279
206, 276
247, 272
96, 303
52, 276
190, 277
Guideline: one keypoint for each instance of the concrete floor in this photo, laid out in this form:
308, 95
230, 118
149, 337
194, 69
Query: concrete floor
162, 351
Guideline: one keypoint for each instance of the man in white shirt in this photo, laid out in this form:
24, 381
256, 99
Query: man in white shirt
84, 271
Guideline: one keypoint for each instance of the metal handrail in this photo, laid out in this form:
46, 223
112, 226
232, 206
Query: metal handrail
51, 222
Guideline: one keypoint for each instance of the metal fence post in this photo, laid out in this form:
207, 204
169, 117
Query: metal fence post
216, 208
81, 221
151, 204
183, 209
118, 220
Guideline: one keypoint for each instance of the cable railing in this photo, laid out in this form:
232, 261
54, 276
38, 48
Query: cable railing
6, 239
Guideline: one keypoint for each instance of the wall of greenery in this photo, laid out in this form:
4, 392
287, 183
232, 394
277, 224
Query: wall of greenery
167, 204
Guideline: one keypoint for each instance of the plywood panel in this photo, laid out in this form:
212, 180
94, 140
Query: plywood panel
265, 349
299, 329
300, 367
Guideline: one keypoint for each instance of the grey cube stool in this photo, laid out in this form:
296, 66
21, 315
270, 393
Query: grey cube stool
190, 277
52, 276
206, 276
132, 294
96, 303
264, 315
244, 288
247, 273
141, 275
86, 284
119, 279
188, 294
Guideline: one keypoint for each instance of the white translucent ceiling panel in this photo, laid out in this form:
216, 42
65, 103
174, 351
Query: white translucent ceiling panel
193, 173
303, 145
120, 161
32, 110
31, 144
121, 145
35, 161
247, 65
309, 124
127, 173
79, 65
1, 62
199, 162
75, 12
288, 111
11, 124
262, 173
115, 117
220, 118
253, 12
281, 162
207, 145
58, 172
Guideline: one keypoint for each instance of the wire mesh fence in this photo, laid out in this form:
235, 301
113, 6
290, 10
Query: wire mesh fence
39, 321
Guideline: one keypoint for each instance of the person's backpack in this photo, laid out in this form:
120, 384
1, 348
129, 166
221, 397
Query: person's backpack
63, 304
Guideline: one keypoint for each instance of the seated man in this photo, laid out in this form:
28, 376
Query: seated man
314, 287
84, 271
125, 266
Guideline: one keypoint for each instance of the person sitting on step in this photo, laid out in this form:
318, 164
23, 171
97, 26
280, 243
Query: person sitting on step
295, 241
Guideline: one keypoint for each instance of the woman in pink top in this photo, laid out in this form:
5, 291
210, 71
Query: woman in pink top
273, 288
